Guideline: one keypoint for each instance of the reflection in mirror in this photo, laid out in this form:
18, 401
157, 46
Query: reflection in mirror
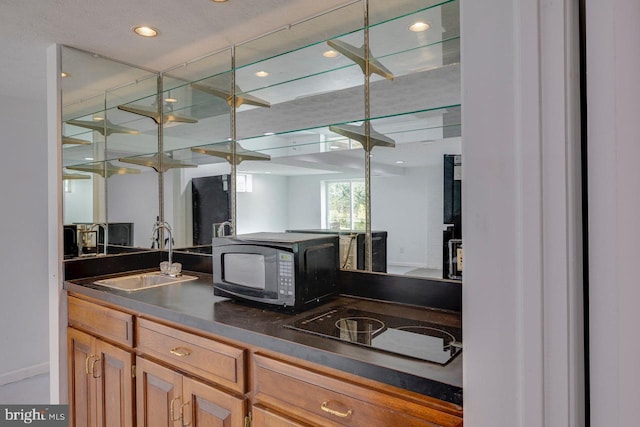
95, 136
313, 180
420, 110
199, 89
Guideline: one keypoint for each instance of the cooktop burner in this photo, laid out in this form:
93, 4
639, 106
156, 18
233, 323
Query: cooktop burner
413, 338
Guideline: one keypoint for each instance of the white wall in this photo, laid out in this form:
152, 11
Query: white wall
265, 208
23, 227
613, 87
78, 205
134, 198
409, 208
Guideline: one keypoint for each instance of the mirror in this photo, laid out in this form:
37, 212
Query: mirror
420, 110
303, 109
98, 137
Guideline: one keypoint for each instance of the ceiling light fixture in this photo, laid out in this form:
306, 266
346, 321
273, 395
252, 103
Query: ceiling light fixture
399, 162
416, 27
145, 31
330, 54
219, 1
269, 133
170, 100
63, 74
262, 74
98, 119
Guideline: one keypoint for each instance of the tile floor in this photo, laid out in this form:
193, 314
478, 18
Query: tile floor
33, 390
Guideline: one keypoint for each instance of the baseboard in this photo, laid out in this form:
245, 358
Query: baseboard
24, 373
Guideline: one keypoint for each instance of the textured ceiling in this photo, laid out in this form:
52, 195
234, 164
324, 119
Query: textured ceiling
188, 29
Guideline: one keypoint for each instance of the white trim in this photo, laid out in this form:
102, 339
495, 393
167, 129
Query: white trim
521, 214
613, 61
24, 373
57, 313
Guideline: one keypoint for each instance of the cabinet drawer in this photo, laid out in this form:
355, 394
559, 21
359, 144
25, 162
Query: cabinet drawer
204, 357
105, 322
325, 400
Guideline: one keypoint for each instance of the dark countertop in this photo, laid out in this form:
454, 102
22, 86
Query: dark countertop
193, 304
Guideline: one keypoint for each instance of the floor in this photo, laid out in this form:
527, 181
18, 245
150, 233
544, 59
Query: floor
33, 390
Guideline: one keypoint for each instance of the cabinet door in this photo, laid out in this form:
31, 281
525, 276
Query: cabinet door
82, 411
158, 395
114, 386
206, 406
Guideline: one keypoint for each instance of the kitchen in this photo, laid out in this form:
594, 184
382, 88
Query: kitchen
497, 257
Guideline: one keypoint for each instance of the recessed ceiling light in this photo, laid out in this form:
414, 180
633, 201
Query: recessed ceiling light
262, 74
334, 147
145, 31
419, 26
88, 158
399, 162
219, 1
98, 119
63, 74
269, 133
330, 54
170, 100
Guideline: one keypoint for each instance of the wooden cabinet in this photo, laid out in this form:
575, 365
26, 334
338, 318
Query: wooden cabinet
184, 378
322, 399
207, 358
100, 382
185, 400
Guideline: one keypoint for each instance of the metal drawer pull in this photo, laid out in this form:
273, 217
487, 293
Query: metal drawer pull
325, 408
182, 414
171, 413
86, 363
180, 351
93, 367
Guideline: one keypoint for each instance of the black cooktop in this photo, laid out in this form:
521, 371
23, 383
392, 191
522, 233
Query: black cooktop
407, 337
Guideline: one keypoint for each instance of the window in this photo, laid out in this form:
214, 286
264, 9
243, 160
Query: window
345, 204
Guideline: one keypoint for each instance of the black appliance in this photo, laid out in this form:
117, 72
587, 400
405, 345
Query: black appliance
211, 201
70, 240
406, 337
352, 246
293, 271
452, 214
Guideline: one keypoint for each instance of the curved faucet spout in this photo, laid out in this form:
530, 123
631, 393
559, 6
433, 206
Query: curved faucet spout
105, 229
164, 225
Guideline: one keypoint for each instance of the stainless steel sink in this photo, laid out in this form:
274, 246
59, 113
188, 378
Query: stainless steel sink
137, 282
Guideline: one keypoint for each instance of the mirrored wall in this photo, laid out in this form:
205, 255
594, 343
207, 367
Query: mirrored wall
346, 123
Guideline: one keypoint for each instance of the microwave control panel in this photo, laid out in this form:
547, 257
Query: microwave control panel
285, 274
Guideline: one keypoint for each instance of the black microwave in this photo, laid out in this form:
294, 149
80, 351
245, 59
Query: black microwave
286, 270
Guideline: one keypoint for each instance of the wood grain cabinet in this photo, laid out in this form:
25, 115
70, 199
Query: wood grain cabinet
101, 387
166, 398
325, 400
169, 396
188, 379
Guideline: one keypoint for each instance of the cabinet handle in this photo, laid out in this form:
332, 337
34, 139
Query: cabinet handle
325, 408
86, 363
180, 351
171, 413
93, 367
182, 414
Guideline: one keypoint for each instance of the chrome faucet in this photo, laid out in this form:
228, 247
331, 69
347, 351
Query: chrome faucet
105, 242
221, 231
164, 225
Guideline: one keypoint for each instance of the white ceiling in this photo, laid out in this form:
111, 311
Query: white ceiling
188, 29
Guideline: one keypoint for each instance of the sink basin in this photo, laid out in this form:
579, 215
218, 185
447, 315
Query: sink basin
137, 282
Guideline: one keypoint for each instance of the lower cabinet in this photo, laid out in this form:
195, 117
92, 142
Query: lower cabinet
165, 397
184, 378
326, 400
100, 382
